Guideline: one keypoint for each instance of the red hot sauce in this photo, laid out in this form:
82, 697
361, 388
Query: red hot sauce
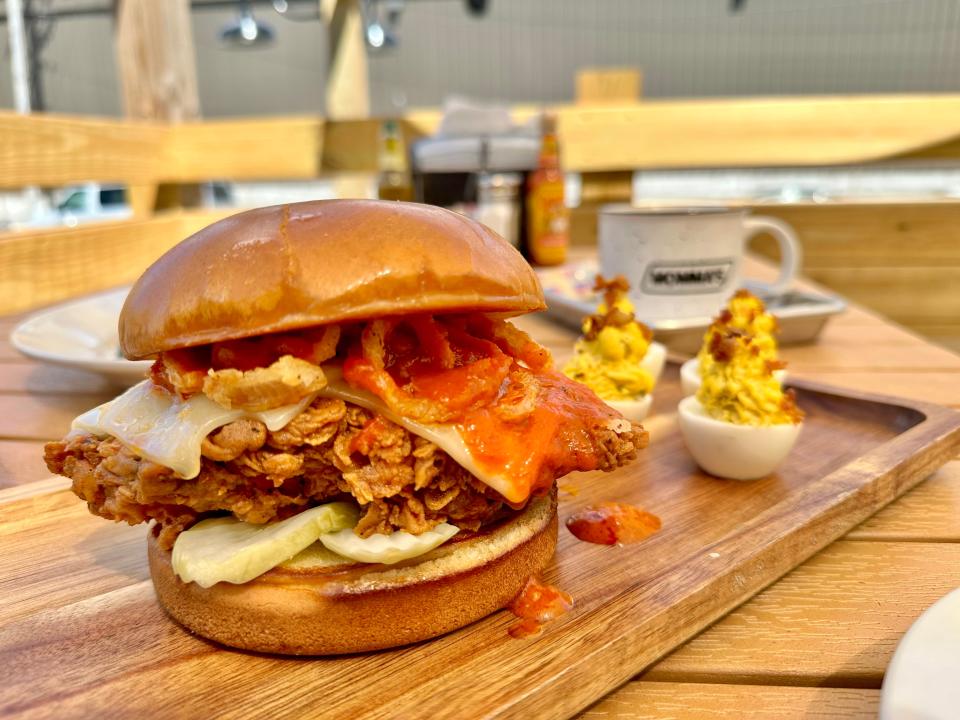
535, 605
612, 523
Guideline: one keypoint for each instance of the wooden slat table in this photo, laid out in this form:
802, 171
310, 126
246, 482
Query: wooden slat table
813, 645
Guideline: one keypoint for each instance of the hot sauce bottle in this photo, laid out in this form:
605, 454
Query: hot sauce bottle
548, 218
394, 182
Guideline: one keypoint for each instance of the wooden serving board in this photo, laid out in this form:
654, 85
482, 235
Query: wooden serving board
81, 634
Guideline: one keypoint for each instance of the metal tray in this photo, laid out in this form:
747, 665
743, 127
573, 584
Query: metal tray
802, 313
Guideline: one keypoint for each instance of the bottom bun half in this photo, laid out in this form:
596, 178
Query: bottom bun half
301, 610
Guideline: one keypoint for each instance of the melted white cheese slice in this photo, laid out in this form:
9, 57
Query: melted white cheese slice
159, 426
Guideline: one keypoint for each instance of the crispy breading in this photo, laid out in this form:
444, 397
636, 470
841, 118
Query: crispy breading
277, 467
400, 480
231, 441
262, 484
314, 426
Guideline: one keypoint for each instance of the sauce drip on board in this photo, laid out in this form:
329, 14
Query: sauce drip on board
535, 605
612, 523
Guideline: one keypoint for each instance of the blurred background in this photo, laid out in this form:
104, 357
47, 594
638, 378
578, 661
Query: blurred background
517, 51
837, 116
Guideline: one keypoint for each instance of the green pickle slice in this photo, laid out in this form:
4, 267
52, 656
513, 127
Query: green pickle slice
316, 557
387, 549
228, 550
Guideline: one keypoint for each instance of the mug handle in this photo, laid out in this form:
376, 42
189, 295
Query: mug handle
791, 255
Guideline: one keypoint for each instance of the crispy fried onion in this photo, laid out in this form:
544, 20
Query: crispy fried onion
185, 370
520, 397
434, 340
373, 342
285, 382
513, 341
323, 347
314, 345
175, 372
451, 370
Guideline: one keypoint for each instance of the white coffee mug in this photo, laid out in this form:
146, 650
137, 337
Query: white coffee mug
686, 262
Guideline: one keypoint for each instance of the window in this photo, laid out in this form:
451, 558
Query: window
76, 201
112, 197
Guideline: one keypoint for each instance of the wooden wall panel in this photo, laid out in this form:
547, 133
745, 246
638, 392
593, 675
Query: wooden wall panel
54, 150
249, 149
926, 294
45, 266
755, 132
57, 150
887, 234
900, 259
607, 85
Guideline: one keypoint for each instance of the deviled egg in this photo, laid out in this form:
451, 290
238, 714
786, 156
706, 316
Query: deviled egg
616, 356
732, 451
746, 313
741, 424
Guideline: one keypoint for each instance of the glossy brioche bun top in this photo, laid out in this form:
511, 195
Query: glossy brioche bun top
293, 266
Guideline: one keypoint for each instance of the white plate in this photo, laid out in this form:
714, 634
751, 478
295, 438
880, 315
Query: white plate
921, 681
83, 335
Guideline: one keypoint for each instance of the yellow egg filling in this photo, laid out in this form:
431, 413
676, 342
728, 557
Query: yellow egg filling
607, 356
737, 361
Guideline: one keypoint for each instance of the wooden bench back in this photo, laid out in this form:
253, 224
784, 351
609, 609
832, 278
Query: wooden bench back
605, 143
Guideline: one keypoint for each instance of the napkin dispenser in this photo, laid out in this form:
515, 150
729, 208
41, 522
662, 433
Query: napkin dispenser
476, 148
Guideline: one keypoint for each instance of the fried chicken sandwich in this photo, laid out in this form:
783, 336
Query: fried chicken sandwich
343, 444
